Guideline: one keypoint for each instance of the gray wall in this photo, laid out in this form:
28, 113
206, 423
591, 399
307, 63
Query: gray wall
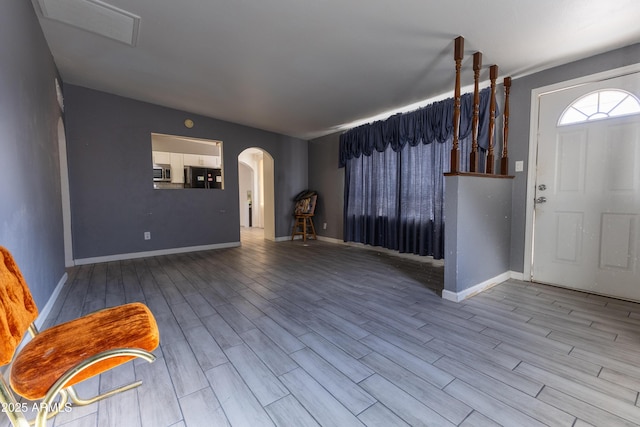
328, 180
30, 210
478, 230
520, 105
112, 199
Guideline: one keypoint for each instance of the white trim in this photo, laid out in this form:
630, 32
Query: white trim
331, 240
515, 275
282, 239
380, 249
44, 313
120, 257
392, 252
476, 289
320, 238
64, 193
533, 148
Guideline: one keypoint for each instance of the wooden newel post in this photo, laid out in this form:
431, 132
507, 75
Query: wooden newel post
473, 157
455, 151
504, 161
493, 75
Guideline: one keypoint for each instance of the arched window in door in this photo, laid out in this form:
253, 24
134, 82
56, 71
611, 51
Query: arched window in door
598, 105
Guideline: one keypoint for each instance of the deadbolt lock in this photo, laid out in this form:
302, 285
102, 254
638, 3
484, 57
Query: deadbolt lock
542, 187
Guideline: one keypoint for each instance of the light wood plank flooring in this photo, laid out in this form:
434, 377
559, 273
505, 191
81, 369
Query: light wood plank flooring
294, 334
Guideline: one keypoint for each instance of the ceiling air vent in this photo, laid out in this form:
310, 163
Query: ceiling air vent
94, 16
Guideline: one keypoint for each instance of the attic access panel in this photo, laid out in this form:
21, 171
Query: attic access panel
94, 16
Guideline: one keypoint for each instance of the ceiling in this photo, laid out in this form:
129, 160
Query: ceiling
309, 68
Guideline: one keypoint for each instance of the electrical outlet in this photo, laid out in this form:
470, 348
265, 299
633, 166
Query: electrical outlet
324, 226
147, 235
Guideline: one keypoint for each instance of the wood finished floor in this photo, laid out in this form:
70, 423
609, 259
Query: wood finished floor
290, 334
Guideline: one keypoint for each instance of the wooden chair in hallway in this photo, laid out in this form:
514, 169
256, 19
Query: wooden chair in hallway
303, 215
48, 366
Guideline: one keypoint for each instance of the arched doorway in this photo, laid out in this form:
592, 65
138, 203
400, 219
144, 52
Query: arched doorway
256, 191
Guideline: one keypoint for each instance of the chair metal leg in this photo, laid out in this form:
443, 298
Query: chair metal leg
15, 410
10, 406
77, 400
60, 385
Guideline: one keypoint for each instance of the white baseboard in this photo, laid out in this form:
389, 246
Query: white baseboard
133, 255
515, 275
476, 289
44, 313
321, 238
330, 240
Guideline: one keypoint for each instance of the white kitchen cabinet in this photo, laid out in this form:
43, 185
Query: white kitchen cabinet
192, 160
211, 161
177, 168
202, 160
161, 158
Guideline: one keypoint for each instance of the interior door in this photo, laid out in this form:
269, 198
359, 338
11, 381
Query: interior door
587, 211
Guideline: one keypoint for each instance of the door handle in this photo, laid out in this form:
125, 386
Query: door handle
541, 199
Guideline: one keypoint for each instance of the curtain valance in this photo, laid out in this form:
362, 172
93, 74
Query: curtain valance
428, 124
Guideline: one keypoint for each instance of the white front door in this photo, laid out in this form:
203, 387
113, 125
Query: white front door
587, 212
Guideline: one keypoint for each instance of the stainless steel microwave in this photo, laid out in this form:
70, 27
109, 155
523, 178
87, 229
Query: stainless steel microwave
162, 173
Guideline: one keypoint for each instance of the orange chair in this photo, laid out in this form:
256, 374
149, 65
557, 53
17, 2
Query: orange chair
54, 360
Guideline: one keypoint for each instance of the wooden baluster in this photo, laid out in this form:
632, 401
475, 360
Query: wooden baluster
455, 152
493, 75
473, 157
504, 162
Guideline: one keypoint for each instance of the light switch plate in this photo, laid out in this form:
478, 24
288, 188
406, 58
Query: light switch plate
519, 166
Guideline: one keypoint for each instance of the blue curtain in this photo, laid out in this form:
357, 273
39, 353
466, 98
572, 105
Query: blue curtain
394, 183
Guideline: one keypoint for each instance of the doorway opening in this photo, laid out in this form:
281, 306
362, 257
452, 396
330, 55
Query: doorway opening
256, 194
